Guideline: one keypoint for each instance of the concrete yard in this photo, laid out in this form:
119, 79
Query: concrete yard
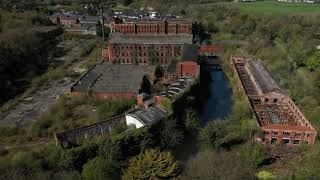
32, 107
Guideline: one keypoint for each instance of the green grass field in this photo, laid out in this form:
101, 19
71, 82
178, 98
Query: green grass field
274, 8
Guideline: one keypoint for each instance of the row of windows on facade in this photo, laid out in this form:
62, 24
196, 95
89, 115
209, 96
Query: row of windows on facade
161, 47
287, 134
141, 61
286, 141
182, 26
145, 54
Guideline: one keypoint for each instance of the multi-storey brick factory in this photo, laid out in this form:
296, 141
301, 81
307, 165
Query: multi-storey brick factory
177, 26
137, 42
279, 119
138, 49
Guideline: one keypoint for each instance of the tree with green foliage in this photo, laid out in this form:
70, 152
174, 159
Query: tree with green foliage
265, 175
153, 58
75, 158
313, 62
145, 86
135, 58
152, 164
170, 134
167, 104
192, 121
100, 168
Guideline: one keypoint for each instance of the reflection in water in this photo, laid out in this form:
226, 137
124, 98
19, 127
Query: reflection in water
219, 103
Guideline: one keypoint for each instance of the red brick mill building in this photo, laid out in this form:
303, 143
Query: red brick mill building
177, 26
136, 42
280, 121
138, 49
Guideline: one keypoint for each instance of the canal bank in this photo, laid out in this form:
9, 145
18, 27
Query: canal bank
219, 102
213, 101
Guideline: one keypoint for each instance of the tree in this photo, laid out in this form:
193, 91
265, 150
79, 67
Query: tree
192, 121
313, 62
170, 134
265, 175
159, 71
135, 57
153, 58
126, 2
152, 164
145, 86
100, 168
213, 134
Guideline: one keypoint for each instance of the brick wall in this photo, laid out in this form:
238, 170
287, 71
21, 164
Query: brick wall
161, 27
187, 68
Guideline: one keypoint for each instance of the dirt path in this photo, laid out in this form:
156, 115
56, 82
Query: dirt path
31, 108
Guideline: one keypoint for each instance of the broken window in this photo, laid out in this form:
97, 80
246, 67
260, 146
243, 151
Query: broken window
287, 134
274, 141
307, 134
285, 141
296, 142
266, 100
275, 133
275, 100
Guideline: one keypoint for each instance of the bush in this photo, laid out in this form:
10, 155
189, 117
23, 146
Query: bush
152, 164
100, 168
74, 159
265, 175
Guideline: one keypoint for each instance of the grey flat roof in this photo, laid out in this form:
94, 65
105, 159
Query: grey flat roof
172, 67
119, 38
150, 115
190, 52
106, 77
262, 76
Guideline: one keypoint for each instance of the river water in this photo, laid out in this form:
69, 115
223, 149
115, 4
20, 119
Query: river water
217, 105
219, 102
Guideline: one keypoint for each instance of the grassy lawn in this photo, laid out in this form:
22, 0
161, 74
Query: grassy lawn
274, 8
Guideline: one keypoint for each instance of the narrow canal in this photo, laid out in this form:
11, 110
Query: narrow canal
219, 102
216, 105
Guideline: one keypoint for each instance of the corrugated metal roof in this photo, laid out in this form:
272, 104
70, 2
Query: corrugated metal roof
151, 115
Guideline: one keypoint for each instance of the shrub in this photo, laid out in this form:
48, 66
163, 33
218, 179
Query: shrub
152, 164
100, 168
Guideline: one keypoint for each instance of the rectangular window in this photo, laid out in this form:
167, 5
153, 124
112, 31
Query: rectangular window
286, 134
296, 142
274, 141
275, 133
285, 141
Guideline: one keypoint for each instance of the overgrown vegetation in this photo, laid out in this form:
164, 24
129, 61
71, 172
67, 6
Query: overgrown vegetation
286, 44
69, 113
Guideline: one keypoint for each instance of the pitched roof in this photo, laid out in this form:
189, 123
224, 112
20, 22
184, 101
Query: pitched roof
149, 116
262, 76
106, 77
